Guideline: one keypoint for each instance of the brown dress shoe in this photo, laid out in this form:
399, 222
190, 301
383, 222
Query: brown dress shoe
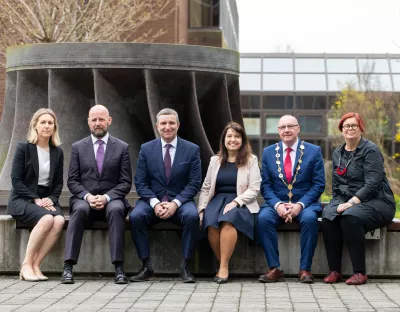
305, 277
272, 276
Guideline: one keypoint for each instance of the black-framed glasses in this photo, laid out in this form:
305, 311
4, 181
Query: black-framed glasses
352, 127
290, 127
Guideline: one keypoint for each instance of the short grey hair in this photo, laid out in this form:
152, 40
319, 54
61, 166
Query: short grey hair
168, 111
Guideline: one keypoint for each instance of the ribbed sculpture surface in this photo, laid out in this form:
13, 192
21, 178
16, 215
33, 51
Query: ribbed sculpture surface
134, 81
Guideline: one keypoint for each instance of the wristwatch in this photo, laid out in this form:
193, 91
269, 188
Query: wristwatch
351, 201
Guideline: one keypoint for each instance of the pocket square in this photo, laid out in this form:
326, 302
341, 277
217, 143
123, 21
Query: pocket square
184, 163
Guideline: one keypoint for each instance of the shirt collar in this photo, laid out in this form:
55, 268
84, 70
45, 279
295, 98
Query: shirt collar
104, 138
173, 143
293, 147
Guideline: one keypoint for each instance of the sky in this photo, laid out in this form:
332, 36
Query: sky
318, 26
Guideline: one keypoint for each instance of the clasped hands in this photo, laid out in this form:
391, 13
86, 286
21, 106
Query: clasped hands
289, 211
45, 203
343, 207
97, 202
165, 210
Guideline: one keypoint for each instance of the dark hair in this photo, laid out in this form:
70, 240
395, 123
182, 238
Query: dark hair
360, 122
244, 151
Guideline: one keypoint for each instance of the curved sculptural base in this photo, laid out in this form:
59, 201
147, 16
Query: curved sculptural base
133, 80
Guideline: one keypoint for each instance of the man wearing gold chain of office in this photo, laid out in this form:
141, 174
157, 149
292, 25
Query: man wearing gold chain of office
293, 180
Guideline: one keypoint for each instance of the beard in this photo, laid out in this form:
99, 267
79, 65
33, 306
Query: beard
99, 132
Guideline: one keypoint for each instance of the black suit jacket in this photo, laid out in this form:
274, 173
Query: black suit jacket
115, 179
25, 175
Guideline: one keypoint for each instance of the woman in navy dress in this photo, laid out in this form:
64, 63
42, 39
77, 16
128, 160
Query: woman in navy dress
228, 197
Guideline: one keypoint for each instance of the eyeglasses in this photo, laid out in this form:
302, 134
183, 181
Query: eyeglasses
353, 127
290, 127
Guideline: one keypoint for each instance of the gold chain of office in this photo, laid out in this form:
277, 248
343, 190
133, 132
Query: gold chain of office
278, 162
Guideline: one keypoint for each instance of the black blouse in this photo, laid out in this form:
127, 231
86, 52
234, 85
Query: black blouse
365, 176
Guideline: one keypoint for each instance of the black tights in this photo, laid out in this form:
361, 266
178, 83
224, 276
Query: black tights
351, 230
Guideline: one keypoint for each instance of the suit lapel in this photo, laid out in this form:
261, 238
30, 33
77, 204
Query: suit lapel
296, 163
159, 157
34, 158
180, 151
53, 155
109, 151
90, 154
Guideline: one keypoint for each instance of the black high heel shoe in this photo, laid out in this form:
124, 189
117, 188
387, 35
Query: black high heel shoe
221, 280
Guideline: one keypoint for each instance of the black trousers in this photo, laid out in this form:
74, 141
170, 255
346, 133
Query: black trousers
348, 229
81, 213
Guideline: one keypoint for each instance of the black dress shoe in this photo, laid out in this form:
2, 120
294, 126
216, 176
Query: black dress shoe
67, 276
120, 277
186, 276
144, 275
215, 278
222, 280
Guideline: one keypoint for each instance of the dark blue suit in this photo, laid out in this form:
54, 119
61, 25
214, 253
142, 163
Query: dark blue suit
183, 185
309, 185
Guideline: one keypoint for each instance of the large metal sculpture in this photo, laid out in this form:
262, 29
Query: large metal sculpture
133, 80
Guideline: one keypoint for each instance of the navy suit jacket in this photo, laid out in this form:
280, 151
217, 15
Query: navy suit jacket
310, 181
115, 179
185, 180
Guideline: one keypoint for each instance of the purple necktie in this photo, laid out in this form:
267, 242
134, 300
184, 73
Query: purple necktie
167, 167
100, 155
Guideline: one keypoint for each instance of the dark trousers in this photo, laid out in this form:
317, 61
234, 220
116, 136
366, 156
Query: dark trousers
269, 220
81, 213
143, 216
348, 229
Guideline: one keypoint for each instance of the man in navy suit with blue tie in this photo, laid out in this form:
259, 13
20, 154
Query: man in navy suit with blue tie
293, 180
168, 177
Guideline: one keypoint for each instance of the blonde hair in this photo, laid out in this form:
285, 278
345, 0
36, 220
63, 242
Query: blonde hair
32, 133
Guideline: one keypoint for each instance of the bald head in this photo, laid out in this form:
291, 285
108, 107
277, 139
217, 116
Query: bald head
99, 120
289, 129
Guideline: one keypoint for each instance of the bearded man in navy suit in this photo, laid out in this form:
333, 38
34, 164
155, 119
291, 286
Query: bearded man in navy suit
168, 177
293, 180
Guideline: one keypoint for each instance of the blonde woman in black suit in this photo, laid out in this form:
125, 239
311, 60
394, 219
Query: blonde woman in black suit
37, 181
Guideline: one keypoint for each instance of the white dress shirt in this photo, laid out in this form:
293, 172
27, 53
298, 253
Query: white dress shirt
44, 166
95, 148
172, 150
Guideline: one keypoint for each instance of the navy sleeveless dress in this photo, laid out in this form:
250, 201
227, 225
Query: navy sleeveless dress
225, 192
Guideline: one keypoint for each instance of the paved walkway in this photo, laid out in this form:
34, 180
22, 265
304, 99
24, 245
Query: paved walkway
101, 294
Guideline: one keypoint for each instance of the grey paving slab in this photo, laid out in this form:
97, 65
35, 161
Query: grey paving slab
172, 295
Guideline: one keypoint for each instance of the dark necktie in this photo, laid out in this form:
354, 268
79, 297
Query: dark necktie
167, 168
100, 155
288, 165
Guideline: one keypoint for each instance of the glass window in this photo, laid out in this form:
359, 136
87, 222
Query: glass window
341, 65
278, 82
271, 124
339, 82
310, 65
204, 13
277, 102
250, 65
311, 102
250, 82
373, 65
375, 82
395, 65
310, 82
396, 82
255, 146
278, 65
250, 101
252, 124
310, 124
